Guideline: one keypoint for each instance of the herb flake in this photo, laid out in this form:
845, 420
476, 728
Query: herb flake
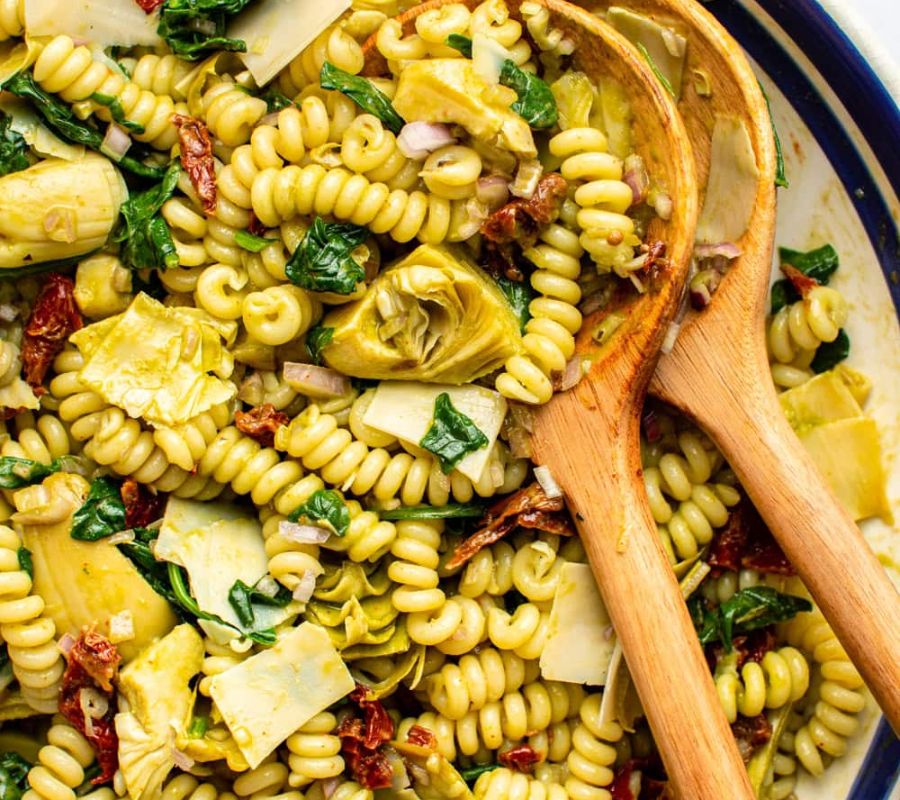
324, 260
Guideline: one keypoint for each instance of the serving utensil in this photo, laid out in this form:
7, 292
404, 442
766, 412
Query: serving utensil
718, 374
590, 438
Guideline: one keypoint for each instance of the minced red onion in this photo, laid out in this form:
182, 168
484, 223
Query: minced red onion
182, 760
303, 534
8, 312
93, 705
267, 585
572, 374
417, 139
329, 787
492, 190
122, 537
313, 381
635, 175
728, 250
116, 142
305, 588
671, 335
548, 483
66, 643
269, 119
663, 206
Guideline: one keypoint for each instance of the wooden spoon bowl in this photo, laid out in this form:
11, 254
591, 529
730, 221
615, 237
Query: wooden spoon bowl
589, 437
718, 374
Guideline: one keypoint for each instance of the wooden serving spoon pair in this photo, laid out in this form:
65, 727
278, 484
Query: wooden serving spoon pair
589, 435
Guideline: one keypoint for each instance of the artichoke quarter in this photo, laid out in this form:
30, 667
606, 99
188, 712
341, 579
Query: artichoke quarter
434, 316
58, 209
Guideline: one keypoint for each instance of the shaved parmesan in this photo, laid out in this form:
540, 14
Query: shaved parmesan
272, 44
405, 409
102, 22
264, 699
581, 639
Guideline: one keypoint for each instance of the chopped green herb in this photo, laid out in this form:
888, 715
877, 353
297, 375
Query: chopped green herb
116, 111
819, 264
459, 42
747, 610
18, 472
536, 103
324, 506
13, 776
102, 514
830, 354
471, 774
13, 148
316, 339
452, 434
242, 598
780, 175
252, 242
26, 564
449, 511
145, 236
324, 260
362, 92
519, 294
62, 121
275, 100
192, 28
655, 69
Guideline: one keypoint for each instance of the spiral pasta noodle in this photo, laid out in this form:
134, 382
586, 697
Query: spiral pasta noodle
334, 45
781, 677
39, 439
231, 112
30, 636
76, 76
60, 766
593, 753
415, 570
505, 784
367, 147
12, 19
314, 751
160, 74
187, 787
184, 445
289, 561
10, 362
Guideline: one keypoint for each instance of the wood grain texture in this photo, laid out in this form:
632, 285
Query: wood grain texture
718, 374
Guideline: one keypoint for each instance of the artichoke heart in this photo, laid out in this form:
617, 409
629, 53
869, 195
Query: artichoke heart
434, 316
58, 209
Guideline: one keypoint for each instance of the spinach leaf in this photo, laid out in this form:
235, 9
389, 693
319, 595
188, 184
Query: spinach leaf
147, 240
655, 69
459, 42
116, 111
23, 556
472, 774
749, 609
63, 122
316, 339
536, 104
362, 92
252, 242
324, 260
780, 175
819, 264
324, 506
187, 603
449, 511
242, 599
452, 434
192, 28
13, 776
102, 514
18, 472
155, 572
830, 354
13, 150
519, 295
275, 100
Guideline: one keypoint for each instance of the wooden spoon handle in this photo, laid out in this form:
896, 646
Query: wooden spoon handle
649, 614
819, 537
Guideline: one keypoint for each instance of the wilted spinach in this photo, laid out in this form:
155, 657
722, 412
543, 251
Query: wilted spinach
242, 598
362, 92
819, 264
18, 472
316, 339
13, 776
830, 354
192, 28
13, 148
144, 234
250, 241
519, 295
452, 434
324, 506
102, 514
324, 261
536, 104
448, 511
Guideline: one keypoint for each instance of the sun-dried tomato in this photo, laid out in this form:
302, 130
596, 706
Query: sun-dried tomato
522, 758
750, 647
750, 733
362, 741
543, 206
651, 786
142, 506
528, 508
421, 737
254, 226
261, 423
53, 317
650, 425
517, 221
197, 158
804, 284
92, 663
747, 543
656, 261
149, 6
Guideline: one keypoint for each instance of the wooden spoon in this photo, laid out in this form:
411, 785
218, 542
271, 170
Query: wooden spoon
718, 374
590, 437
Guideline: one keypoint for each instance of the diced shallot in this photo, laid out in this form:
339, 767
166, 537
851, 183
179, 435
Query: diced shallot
572, 375
727, 250
313, 381
93, 705
182, 760
527, 176
477, 214
663, 205
122, 537
116, 142
303, 534
417, 139
121, 627
8, 312
635, 175
65, 644
492, 190
548, 483
305, 586
267, 585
